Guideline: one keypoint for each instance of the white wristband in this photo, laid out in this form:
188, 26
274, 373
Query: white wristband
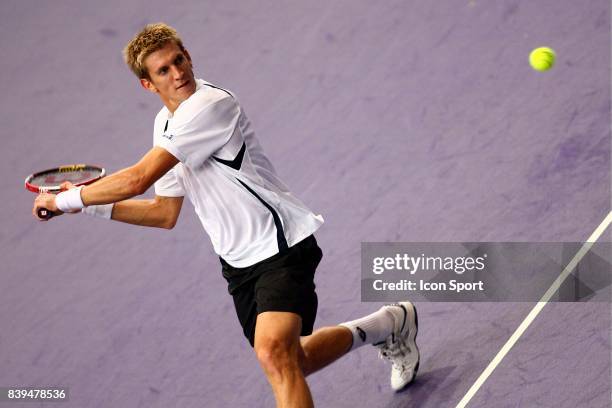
69, 200
101, 211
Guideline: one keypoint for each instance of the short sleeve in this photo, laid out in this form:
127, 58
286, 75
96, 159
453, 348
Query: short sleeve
168, 185
193, 136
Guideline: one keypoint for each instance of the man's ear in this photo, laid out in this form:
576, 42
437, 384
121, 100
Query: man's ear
148, 85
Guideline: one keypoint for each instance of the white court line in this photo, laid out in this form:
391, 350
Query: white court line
535, 311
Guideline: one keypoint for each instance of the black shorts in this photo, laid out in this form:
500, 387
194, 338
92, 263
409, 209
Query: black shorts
281, 283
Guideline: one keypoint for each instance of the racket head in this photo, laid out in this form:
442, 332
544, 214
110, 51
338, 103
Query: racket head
49, 181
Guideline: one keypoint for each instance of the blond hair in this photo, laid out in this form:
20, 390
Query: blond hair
152, 38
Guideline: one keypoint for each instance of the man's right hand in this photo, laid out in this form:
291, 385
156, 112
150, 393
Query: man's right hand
66, 185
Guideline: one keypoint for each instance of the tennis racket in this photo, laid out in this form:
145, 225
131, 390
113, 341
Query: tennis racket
49, 181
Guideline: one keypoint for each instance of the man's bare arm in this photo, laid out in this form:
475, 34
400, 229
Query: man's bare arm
123, 185
161, 212
131, 181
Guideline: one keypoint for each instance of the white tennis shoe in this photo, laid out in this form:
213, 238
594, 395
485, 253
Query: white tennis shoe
400, 347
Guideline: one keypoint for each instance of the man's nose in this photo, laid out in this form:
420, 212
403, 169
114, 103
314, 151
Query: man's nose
177, 72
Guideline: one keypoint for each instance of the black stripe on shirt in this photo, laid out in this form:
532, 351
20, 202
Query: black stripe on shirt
280, 234
221, 89
236, 163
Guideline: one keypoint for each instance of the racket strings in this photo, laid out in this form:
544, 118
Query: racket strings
55, 178
50, 180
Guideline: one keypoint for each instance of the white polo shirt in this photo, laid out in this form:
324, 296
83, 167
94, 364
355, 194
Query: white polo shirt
246, 210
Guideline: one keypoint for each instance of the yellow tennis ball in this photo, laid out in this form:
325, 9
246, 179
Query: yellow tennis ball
542, 59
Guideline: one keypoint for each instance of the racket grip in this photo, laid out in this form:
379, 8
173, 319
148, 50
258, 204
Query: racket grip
44, 213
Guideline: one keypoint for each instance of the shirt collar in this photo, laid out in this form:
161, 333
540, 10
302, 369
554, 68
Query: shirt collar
199, 84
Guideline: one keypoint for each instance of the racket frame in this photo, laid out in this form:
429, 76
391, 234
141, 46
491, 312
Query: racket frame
56, 188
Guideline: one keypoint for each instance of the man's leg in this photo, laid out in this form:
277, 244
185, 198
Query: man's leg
287, 359
393, 328
323, 347
278, 349
327, 344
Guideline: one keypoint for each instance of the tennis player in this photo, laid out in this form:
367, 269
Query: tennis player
204, 148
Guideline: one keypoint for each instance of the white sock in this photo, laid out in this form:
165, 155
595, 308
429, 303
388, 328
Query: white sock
371, 329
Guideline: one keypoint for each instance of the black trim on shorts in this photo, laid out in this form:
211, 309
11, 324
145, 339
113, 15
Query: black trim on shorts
280, 233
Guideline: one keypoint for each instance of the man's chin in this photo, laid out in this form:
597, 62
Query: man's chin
188, 89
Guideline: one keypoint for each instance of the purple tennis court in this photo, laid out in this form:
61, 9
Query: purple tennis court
398, 121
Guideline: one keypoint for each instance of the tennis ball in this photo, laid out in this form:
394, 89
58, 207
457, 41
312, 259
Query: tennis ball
542, 59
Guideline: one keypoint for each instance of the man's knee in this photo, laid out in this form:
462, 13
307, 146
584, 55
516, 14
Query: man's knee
277, 356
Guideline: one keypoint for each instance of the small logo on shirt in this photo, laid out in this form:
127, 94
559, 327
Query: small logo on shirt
169, 137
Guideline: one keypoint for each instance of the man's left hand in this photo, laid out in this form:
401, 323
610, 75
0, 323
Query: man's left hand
46, 201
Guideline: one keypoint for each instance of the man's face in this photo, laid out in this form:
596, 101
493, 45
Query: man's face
171, 75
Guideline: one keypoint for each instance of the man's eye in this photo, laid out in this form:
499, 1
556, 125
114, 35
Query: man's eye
179, 60
163, 71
